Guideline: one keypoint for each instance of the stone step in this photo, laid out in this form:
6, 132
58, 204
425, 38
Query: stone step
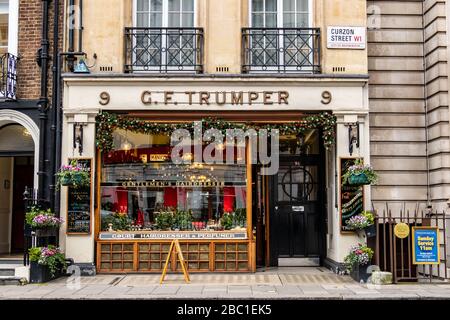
10, 281
7, 272
4, 261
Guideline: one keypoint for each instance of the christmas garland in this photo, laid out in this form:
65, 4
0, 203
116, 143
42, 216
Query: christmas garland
108, 122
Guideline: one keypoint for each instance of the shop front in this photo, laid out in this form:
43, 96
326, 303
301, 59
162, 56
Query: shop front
164, 167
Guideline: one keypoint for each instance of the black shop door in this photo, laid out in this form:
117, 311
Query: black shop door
297, 220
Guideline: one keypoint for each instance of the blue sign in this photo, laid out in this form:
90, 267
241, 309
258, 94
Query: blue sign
426, 245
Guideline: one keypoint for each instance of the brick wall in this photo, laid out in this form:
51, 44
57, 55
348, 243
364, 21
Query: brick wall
30, 32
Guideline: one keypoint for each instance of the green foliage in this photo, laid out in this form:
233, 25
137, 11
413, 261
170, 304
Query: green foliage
73, 175
227, 220
359, 168
39, 218
50, 256
164, 220
361, 221
119, 222
238, 218
359, 255
108, 122
182, 220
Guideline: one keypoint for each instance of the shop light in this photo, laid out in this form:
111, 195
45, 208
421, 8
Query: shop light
26, 133
126, 146
353, 136
78, 137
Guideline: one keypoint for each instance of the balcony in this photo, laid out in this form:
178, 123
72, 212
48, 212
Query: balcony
281, 50
164, 50
8, 85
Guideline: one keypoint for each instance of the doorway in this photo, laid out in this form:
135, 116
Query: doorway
17, 167
297, 209
22, 178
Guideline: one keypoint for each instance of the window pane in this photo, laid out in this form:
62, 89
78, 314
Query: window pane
257, 5
271, 20
174, 5
289, 20
142, 5
188, 5
257, 20
174, 19
156, 20
188, 20
302, 20
271, 5
288, 5
156, 5
302, 5
142, 20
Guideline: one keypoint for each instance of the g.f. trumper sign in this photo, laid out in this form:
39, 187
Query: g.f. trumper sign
208, 98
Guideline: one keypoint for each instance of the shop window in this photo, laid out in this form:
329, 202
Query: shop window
143, 190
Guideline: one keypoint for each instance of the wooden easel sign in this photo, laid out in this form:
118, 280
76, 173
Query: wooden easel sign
176, 245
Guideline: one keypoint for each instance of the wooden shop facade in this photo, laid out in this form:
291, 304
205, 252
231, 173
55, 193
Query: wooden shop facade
228, 215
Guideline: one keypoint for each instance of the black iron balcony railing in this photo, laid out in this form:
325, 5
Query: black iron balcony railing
281, 50
8, 81
164, 50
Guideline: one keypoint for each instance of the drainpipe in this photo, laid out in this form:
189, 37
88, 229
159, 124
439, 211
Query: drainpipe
71, 59
56, 110
43, 99
80, 32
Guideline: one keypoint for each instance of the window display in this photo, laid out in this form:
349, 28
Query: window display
142, 190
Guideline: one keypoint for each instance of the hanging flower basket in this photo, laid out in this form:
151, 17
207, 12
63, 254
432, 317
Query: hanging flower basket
74, 175
359, 174
358, 179
65, 181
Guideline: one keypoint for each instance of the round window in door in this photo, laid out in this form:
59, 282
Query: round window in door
299, 183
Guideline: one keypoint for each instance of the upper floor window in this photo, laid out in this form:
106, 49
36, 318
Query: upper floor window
165, 13
4, 22
281, 37
9, 24
281, 13
164, 38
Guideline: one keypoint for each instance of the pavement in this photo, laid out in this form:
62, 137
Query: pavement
280, 283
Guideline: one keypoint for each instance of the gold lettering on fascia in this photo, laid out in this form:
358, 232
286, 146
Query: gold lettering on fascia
220, 98
173, 184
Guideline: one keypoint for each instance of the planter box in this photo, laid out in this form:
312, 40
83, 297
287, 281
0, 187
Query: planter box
65, 181
46, 232
371, 231
358, 179
359, 273
41, 274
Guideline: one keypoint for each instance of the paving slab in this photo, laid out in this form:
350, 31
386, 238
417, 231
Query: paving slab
141, 291
165, 290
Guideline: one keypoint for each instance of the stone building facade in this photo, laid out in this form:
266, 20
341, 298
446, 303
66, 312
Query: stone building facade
408, 97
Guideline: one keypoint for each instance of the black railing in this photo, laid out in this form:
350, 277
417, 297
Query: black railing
30, 197
281, 50
164, 50
8, 85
